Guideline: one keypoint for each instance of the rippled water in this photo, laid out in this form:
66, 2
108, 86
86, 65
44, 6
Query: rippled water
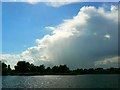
61, 81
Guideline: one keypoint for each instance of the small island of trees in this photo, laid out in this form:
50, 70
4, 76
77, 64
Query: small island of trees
25, 68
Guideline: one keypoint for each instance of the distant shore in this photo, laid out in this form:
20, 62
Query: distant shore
24, 68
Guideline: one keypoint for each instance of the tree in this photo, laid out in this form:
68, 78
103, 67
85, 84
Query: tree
77, 71
22, 66
32, 68
55, 69
91, 71
63, 69
41, 68
4, 69
9, 69
99, 70
48, 69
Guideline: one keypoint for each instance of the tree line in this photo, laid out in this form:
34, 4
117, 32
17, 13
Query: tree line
25, 68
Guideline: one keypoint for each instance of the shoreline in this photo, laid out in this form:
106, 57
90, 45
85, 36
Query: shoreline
59, 74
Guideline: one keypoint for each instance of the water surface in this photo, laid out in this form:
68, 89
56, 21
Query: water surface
61, 81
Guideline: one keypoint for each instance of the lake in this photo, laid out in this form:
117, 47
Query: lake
61, 81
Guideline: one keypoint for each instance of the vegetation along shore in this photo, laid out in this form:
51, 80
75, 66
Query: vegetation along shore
25, 68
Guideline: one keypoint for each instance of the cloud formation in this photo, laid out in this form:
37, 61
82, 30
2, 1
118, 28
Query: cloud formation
108, 62
52, 3
57, 3
10, 59
60, 3
81, 42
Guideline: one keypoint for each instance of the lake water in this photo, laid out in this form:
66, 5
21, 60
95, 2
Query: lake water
61, 81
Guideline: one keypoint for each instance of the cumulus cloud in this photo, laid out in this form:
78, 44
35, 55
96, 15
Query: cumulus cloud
107, 36
78, 42
108, 62
10, 59
59, 3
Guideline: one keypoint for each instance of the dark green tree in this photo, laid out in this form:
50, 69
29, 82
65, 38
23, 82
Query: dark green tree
41, 68
99, 70
63, 69
91, 71
32, 68
48, 69
4, 68
55, 69
77, 71
9, 69
22, 66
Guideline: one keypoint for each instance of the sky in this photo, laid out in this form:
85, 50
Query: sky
78, 34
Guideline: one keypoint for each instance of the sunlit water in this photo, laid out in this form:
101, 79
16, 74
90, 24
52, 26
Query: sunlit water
61, 81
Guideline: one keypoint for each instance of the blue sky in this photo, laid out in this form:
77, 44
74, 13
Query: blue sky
24, 22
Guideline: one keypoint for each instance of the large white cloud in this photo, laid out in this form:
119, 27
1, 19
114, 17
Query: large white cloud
88, 37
